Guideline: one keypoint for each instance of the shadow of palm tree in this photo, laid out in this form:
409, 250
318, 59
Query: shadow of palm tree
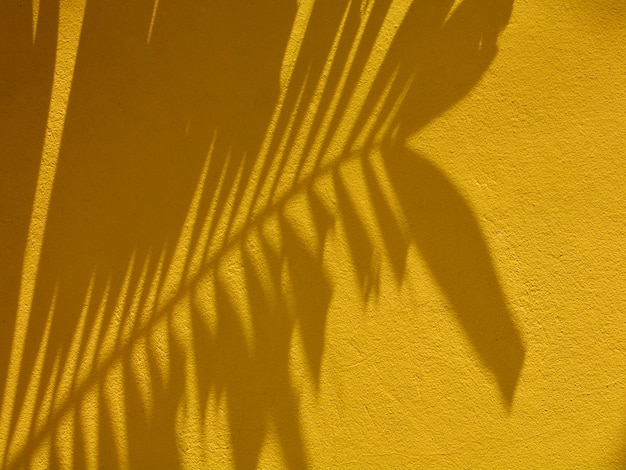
27, 59
436, 58
171, 219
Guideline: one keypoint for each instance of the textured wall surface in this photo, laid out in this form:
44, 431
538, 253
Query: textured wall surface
328, 234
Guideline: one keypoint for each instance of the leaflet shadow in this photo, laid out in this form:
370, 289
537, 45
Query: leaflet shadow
436, 58
27, 62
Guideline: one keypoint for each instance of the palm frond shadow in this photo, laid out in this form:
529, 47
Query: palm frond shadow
174, 274
27, 62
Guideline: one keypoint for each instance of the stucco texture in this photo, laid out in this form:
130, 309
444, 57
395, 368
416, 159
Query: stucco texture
325, 234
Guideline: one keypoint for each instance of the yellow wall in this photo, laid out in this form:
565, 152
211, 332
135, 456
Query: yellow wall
377, 234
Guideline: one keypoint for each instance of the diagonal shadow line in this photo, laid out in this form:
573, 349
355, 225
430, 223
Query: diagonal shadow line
27, 61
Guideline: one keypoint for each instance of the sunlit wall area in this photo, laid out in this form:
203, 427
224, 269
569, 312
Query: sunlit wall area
302, 233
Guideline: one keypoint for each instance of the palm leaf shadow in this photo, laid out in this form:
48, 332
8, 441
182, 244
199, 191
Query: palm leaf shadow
432, 63
450, 240
27, 60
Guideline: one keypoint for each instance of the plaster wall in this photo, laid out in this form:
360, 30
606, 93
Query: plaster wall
383, 234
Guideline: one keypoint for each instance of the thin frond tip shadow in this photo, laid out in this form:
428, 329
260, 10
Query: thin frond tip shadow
437, 56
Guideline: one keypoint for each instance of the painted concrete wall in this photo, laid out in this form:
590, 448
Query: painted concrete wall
328, 234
